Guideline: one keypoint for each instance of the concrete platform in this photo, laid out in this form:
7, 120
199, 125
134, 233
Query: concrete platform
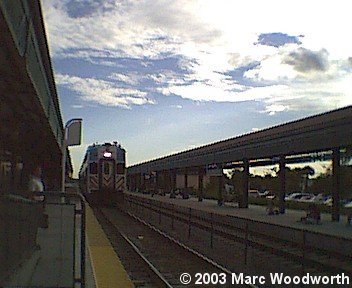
107, 269
53, 264
258, 213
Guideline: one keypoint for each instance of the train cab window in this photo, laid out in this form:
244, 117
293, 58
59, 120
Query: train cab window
93, 168
106, 168
120, 168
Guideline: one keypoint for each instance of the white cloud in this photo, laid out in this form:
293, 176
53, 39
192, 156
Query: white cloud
103, 92
129, 78
137, 29
272, 109
162, 79
212, 38
199, 91
312, 80
177, 106
168, 77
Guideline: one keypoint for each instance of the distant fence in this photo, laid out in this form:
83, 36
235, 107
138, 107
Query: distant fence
311, 249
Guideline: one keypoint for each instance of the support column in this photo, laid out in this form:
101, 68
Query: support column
128, 180
167, 181
186, 179
220, 184
132, 182
282, 165
135, 182
245, 180
173, 178
138, 182
156, 182
143, 182
163, 182
200, 183
335, 213
148, 182
185, 194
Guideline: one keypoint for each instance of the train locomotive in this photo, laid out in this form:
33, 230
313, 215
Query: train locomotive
102, 174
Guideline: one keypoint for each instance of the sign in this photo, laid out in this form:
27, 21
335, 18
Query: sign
73, 132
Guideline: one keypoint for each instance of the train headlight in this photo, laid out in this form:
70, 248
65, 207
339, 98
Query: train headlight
107, 154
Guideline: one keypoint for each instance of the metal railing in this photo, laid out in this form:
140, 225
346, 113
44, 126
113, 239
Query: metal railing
60, 198
310, 249
19, 219
20, 239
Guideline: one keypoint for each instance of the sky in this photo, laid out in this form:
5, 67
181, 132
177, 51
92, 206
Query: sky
161, 77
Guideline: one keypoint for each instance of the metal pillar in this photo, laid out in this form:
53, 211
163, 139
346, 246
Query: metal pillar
186, 179
200, 183
142, 182
220, 184
245, 179
135, 182
148, 182
282, 192
128, 182
156, 182
131, 183
335, 213
138, 182
173, 179
136, 176
167, 180
161, 180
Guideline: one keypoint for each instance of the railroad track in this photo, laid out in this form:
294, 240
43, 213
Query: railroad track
153, 258
269, 249
237, 247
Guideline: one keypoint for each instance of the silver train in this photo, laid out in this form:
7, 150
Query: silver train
102, 174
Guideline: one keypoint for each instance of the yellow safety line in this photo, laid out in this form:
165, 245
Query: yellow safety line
107, 268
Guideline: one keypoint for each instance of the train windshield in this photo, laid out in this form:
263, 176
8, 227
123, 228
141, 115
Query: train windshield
93, 168
106, 168
120, 168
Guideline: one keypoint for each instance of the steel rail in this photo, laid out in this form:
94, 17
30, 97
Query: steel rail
189, 249
258, 243
156, 272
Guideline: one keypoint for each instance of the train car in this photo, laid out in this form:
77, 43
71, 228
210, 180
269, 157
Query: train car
102, 174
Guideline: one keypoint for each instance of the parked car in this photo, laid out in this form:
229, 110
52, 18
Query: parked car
253, 193
298, 196
267, 194
292, 196
328, 201
319, 198
307, 198
348, 204
264, 193
270, 196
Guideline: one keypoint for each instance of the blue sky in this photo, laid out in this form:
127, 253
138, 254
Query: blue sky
166, 76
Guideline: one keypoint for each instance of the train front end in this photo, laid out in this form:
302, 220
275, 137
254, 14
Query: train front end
103, 174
